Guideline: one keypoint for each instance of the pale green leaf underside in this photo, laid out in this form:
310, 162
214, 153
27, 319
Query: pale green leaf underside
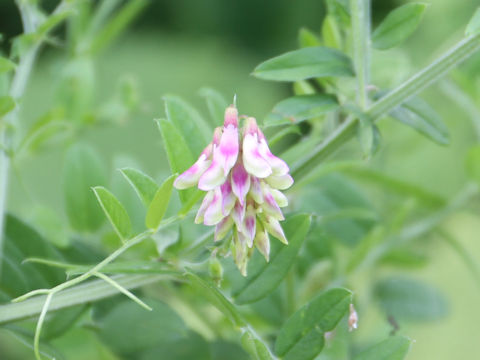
302, 336
158, 206
115, 212
144, 185
398, 25
305, 63
265, 279
299, 108
473, 27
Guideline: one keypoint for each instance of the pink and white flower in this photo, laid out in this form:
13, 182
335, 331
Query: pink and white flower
243, 180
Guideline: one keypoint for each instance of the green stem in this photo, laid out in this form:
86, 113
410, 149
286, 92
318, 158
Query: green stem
360, 10
94, 270
88, 292
400, 94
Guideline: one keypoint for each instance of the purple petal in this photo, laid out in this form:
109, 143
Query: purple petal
281, 182
253, 161
262, 242
228, 198
222, 228
238, 215
213, 214
240, 182
273, 227
279, 197
213, 177
240, 252
249, 224
256, 190
228, 148
279, 167
190, 177
270, 205
203, 207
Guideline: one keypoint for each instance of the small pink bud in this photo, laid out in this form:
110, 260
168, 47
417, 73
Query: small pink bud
231, 116
352, 319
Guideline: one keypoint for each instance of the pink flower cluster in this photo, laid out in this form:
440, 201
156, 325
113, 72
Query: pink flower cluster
243, 180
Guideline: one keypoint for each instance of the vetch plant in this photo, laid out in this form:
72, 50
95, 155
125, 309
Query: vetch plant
243, 180
302, 239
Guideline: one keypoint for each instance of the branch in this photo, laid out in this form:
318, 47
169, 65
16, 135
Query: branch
433, 72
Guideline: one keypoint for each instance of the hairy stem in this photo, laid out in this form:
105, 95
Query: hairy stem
360, 10
433, 72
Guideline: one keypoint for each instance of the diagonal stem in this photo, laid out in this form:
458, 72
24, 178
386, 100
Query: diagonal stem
433, 72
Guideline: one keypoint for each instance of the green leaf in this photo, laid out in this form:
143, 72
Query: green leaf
115, 212
21, 242
7, 104
216, 104
255, 348
143, 329
265, 277
216, 298
179, 155
6, 65
299, 108
83, 170
393, 348
473, 27
408, 299
192, 346
144, 185
398, 25
307, 38
304, 64
158, 206
52, 21
51, 226
369, 137
302, 336
472, 163
189, 123
117, 24
417, 114
331, 33
60, 322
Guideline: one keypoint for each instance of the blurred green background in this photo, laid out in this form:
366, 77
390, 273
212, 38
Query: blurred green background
178, 47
